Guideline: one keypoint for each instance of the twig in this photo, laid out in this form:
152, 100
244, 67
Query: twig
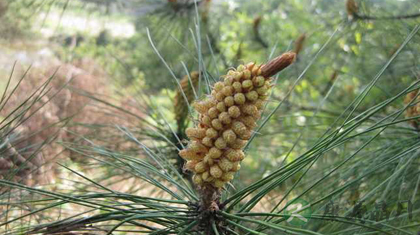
401, 17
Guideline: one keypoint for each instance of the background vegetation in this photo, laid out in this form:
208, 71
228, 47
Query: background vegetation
89, 136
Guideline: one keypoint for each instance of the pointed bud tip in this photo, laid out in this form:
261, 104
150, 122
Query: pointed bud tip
278, 64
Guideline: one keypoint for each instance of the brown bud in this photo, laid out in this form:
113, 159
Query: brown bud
352, 8
278, 64
299, 43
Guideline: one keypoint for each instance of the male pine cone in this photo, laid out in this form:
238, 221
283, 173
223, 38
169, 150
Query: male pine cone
226, 120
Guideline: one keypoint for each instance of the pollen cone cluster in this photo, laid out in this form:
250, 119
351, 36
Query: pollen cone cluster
181, 106
226, 121
413, 110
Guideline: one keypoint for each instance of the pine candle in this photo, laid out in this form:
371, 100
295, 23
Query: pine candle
227, 118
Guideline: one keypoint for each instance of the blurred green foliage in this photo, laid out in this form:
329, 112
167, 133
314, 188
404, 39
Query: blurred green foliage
332, 101
15, 17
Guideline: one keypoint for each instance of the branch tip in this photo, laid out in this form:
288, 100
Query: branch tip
278, 64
